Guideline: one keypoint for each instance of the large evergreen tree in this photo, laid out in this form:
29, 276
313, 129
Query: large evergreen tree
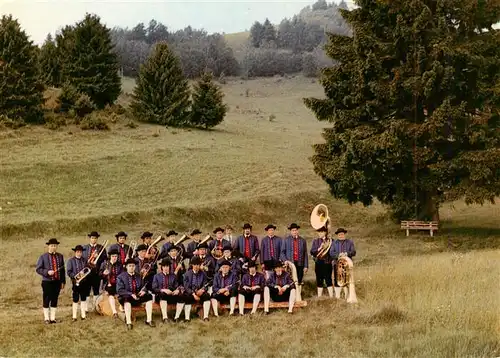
21, 91
50, 63
161, 94
208, 109
90, 64
414, 105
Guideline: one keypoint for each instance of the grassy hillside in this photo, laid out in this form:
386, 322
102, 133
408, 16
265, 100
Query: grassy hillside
418, 296
238, 41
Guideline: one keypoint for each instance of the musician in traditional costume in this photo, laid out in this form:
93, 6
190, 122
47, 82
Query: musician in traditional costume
195, 289
227, 255
323, 264
147, 239
219, 242
171, 236
50, 266
80, 289
270, 249
251, 288
247, 245
132, 291
109, 271
144, 267
225, 288
228, 235
295, 250
167, 290
207, 261
90, 253
192, 246
341, 247
124, 251
279, 288
176, 262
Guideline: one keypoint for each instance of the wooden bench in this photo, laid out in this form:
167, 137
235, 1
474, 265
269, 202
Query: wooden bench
431, 226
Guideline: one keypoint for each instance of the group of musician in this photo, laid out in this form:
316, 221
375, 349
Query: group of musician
209, 271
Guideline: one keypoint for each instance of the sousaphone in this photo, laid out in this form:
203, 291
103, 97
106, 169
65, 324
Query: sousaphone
319, 219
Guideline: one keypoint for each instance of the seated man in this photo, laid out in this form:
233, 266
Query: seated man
225, 288
167, 290
251, 288
228, 256
110, 270
131, 290
195, 289
279, 288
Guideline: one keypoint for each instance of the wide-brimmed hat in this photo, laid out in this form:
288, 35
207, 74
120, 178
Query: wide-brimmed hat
52, 242
225, 262
227, 247
120, 234
251, 264
173, 247
130, 261
202, 246
196, 232
165, 262
293, 226
322, 229
146, 234
218, 229
172, 233
247, 226
93, 234
339, 230
141, 247
278, 263
78, 248
270, 226
113, 252
195, 261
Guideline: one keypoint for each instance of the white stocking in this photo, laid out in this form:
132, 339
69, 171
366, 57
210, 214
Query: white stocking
232, 305
128, 312
267, 299
206, 308
241, 303
46, 314
149, 311
215, 307
330, 291
178, 310
163, 307
187, 312
83, 308
337, 292
53, 313
256, 300
320, 291
75, 309
291, 300
112, 303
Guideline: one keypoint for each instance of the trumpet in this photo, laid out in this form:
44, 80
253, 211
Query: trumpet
145, 269
81, 275
94, 258
133, 245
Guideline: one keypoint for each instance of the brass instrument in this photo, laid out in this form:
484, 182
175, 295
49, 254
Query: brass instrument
345, 277
131, 248
145, 269
292, 270
82, 274
94, 258
206, 239
319, 219
217, 253
180, 241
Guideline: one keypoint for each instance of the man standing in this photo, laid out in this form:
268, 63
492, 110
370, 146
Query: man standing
247, 245
270, 250
341, 247
218, 243
50, 266
323, 266
295, 250
90, 253
229, 236
80, 289
122, 248
191, 249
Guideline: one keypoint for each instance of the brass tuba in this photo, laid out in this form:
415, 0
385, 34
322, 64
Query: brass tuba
345, 278
292, 270
320, 217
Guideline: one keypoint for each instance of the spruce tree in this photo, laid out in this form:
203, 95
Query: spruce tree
414, 105
161, 94
21, 91
208, 108
49, 63
90, 64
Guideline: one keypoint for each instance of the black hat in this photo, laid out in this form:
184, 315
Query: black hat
165, 262
78, 248
217, 229
202, 246
270, 226
278, 264
251, 264
141, 247
113, 252
130, 261
195, 260
196, 232
173, 247
93, 234
225, 262
339, 230
227, 247
247, 226
322, 229
121, 233
293, 226
146, 234
52, 242
172, 233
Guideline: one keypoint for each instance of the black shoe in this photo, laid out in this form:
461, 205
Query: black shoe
176, 320
187, 320
129, 327
54, 321
150, 324
165, 320
84, 318
74, 319
46, 322
266, 313
205, 319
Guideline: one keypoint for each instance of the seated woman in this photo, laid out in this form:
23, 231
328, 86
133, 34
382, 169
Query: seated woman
279, 288
167, 290
225, 288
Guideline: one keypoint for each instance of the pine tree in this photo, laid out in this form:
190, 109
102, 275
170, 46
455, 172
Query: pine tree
161, 94
21, 91
208, 109
90, 64
414, 105
49, 63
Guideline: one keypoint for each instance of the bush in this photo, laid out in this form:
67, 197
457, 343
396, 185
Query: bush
270, 62
208, 109
94, 121
83, 105
10, 123
54, 120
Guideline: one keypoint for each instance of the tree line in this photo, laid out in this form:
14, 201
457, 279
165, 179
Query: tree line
81, 61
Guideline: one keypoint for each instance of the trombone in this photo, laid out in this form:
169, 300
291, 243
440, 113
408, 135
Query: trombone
133, 245
94, 258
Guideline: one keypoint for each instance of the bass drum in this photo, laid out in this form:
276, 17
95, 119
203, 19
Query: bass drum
102, 305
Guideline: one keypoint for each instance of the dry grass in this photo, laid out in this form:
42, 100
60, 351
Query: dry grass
419, 296
237, 42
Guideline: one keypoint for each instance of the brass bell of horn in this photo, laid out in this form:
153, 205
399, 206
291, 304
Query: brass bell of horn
320, 217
